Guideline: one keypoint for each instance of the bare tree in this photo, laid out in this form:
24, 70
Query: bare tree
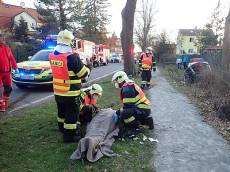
226, 44
217, 22
145, 24
127, 35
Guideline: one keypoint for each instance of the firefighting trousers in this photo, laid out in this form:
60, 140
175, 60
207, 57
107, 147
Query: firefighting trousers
133, 116
146, 77
6, 82
68, 114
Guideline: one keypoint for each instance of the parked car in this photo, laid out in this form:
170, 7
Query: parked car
115, 58
36, 71
196, 60
196, 71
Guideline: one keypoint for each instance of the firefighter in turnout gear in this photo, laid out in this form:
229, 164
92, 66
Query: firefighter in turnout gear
88, 99
146, 63
67, 70
136, 107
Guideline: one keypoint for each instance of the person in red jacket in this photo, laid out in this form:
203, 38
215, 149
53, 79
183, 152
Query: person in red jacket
88, 99
7, 61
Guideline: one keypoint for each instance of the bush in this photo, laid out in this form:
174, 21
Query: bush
22, 51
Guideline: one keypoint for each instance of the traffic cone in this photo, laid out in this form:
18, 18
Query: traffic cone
2, 105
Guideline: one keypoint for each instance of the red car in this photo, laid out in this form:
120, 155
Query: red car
195, 71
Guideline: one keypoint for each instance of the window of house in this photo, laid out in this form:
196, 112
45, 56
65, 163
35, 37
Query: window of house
32, 25
191, 39
190, 51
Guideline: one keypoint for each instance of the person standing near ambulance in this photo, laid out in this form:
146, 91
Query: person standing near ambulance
67, 70
7, 61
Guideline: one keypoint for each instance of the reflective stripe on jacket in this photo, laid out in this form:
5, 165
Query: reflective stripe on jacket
65, 82
139, 100
86, 100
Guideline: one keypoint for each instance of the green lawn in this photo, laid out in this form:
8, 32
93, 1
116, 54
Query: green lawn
31, 142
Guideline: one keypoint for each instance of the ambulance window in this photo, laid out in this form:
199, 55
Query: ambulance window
41, 56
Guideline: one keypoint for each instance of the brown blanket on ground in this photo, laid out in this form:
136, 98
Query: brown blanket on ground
98, 139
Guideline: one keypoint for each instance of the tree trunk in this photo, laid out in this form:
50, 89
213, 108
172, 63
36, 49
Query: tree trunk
62, 20
127, 35
226, 43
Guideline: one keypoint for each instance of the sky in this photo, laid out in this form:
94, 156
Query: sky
171, 15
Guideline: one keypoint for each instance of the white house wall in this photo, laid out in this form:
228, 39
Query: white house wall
31, 22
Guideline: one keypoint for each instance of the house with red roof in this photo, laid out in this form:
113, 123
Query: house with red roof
10, 16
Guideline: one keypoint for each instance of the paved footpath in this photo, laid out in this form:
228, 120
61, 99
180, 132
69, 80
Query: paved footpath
186, 144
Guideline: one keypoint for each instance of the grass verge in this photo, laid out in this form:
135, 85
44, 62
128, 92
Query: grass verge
31, 142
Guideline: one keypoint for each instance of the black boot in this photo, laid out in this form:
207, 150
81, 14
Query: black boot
149, 122
61, 127
71, 136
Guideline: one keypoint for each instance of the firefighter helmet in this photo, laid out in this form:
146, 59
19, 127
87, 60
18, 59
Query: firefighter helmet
148, 49
119, 77
96, 89
65, 37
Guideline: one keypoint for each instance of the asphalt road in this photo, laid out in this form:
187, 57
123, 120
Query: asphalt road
25, 97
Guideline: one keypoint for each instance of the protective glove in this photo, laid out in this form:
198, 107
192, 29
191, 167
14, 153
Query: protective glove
95, 109
140, 70
115, 118
119, 112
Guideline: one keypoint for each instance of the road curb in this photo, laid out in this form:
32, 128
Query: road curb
51, 96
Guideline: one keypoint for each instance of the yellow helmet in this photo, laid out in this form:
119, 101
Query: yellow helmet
119, 77
65, 37
96, 89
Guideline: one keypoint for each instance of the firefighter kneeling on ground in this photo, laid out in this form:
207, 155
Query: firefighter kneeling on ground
136, 107
146, 63
88, 99
7, 61
67, 70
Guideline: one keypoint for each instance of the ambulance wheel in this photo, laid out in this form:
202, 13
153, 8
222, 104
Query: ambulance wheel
95, 64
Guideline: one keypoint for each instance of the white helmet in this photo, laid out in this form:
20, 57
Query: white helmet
96, 89
65, 37
148, 49
119, 77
